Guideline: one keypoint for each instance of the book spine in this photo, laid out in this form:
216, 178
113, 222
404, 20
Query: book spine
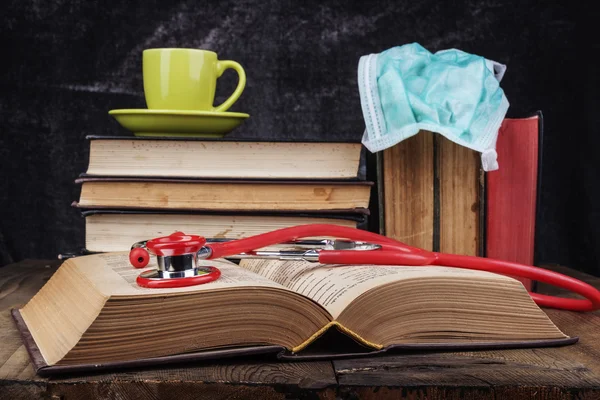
460, 197
357, 215
512, 194
408, 191
380, 193
431, 195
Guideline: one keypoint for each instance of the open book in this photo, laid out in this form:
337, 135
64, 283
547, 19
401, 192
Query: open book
92, 314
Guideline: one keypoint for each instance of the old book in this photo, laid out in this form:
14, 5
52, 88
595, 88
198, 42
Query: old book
117, 230
203, 158
512, 192
91, 314
431, 193
238, 195
461, 197
407, 191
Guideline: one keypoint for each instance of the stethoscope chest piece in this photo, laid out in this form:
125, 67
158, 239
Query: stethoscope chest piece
176, 257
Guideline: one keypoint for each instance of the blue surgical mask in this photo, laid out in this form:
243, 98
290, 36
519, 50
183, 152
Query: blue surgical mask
456, 94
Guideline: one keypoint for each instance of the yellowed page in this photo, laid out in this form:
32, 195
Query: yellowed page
112, 274
334, 287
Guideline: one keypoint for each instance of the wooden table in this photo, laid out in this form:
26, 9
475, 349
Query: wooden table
571, 372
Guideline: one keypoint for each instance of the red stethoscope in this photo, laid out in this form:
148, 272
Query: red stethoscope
177, 257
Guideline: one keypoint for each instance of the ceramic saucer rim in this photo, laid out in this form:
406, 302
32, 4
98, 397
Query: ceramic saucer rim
193, 113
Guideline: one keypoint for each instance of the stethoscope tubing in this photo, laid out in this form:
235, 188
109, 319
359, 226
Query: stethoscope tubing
396, 253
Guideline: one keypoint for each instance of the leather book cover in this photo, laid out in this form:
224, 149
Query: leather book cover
331, 212
513, 192
320, 350
282, 139
341, 182
360, 216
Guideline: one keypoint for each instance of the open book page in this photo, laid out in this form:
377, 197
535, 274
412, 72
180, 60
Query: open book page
334, 287
113, 275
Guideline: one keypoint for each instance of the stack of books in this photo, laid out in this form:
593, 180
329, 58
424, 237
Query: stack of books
137, 188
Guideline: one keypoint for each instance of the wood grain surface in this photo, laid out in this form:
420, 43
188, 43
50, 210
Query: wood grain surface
570, 372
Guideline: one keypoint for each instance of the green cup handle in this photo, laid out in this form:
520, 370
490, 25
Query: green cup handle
221, 67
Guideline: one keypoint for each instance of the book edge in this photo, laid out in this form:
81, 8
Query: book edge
338, 211
280, 352
35, 355
84, 177
358, 216
222, 139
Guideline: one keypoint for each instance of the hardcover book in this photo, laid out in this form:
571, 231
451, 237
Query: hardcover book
512, 192
223, 195
92, 315
117, 230
224, 158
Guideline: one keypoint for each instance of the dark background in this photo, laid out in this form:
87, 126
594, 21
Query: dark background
66, 63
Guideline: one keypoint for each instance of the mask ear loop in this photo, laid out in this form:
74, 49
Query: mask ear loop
369, 95
489, 160
498, 70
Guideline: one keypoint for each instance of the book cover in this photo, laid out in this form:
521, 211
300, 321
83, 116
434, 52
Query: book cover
431, 194
224, 158
223, 194
512, 192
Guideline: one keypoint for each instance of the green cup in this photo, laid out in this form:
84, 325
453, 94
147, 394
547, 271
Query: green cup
185, 79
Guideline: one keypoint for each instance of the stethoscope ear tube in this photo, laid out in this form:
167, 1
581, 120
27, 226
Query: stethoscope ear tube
252, 243
387, 257
396, 253
387, 251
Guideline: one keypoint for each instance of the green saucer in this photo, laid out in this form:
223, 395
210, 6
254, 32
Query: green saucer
187, 123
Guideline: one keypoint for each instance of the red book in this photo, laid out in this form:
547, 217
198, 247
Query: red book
512, 193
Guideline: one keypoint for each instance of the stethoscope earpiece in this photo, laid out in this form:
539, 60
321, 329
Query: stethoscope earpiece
139, 257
